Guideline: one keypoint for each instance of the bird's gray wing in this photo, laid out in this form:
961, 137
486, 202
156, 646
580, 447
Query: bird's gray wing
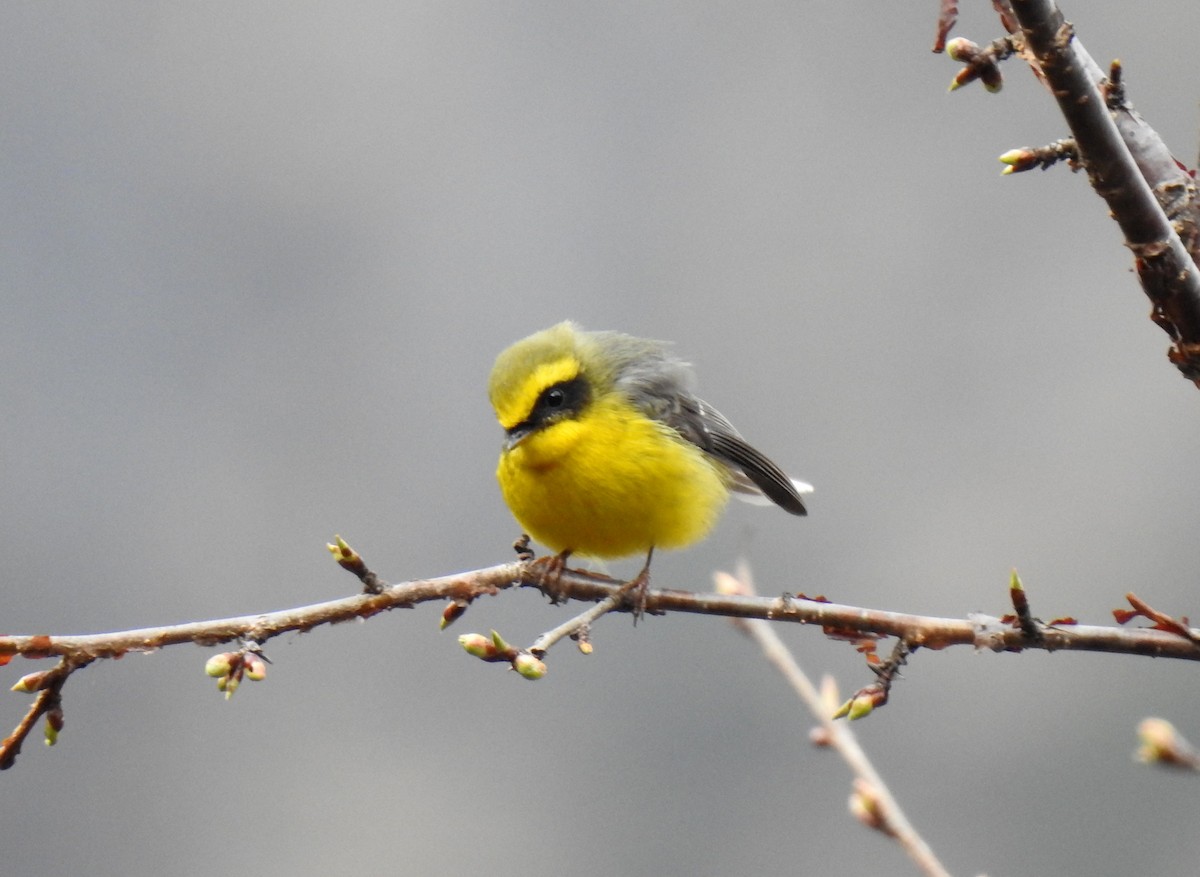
752, 472
660, 385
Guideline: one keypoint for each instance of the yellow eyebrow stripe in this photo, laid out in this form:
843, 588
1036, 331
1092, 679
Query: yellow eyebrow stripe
547, 374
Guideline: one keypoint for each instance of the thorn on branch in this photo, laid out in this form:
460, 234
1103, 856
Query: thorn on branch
1113, 88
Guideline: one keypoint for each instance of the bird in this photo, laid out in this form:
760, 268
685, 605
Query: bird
608, 452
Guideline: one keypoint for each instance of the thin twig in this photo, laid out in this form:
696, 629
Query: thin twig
48, 700
580, 622
465, 586
843, 739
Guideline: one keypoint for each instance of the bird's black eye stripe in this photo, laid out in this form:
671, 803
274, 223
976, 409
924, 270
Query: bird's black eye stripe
564, 399
557, 402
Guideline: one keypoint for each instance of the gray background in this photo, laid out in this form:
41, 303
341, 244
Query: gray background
257, 260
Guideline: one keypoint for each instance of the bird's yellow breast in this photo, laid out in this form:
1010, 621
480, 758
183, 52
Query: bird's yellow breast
610, 483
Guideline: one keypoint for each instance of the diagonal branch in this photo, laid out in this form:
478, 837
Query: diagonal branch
1150, 194
891, 819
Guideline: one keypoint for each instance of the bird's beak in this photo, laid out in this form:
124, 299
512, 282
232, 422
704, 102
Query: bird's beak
515, 436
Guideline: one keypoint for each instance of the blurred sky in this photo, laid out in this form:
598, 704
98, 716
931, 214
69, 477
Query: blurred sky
257, 259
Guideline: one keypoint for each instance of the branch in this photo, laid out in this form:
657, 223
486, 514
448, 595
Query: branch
1150, 194
1168, 637
76, 652
978, 630
1165, 267
463, 587
48, 685
872, 801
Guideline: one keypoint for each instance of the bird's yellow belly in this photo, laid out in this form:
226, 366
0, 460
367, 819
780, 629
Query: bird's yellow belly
611, 484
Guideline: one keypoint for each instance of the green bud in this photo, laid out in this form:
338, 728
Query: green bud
861, 707
529, 666
228, 684
478, 645
256, 668
219, 665
961, 49
31, 682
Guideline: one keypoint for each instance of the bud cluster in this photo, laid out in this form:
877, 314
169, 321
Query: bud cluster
229, 668
494, 649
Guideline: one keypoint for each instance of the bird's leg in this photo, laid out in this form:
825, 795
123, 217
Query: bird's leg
640, 584
558, 563
580, 624
551, 576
